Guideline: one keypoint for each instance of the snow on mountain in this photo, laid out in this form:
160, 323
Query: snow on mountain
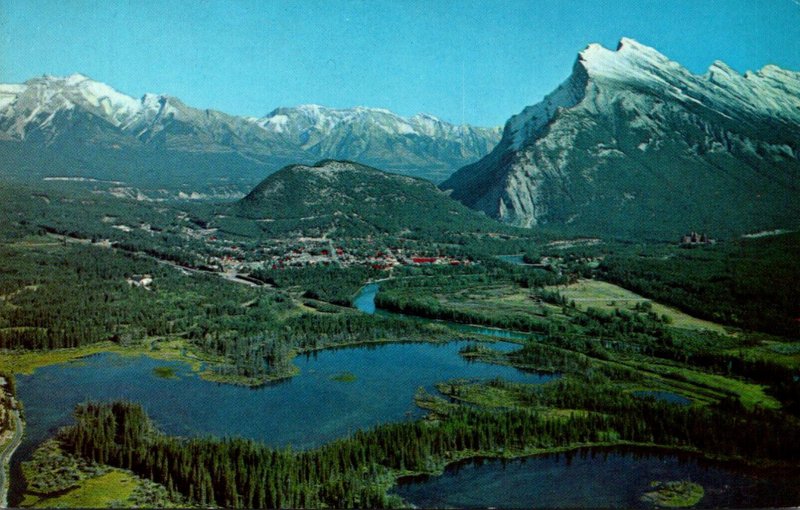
632, 139
306, 117
76, 109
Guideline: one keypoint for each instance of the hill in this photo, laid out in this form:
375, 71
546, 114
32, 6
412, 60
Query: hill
342, 198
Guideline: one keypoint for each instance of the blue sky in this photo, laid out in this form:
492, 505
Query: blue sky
474, 61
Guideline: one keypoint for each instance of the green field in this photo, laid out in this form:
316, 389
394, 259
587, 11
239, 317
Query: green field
112, 489
604, 295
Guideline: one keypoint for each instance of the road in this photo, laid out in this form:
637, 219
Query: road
5, 458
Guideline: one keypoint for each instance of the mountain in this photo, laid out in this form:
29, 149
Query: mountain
89, 129
380, 138
634, 144
347, 199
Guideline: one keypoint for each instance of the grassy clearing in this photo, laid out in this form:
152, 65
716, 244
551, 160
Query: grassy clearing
510, 298
112, 489
693, 384
480, 395
508, 395
783, 353
483, 395
487, 299
603, 295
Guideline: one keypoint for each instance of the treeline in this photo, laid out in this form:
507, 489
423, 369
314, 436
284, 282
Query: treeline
70, 297
73, 295
355, 472
73, 211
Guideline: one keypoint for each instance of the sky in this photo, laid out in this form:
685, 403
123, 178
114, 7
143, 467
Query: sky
465, 61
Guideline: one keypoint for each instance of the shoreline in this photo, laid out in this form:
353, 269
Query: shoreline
441, 467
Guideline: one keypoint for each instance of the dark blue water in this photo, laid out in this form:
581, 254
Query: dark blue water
365, 300
304, 411
594, 478
665, 396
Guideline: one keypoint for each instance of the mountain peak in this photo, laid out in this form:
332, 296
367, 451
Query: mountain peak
49, 108
631, 60
76, 78
628, 44
338, 165
335, 168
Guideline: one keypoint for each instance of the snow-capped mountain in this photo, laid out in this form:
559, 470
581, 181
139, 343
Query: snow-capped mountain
379, 137
74, 113
632, 142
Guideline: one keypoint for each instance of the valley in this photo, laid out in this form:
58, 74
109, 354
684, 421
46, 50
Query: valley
595, 305
564, 323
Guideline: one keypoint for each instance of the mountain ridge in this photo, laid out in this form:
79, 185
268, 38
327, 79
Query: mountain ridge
633, 137
62, 112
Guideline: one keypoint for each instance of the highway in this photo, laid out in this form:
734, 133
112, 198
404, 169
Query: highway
5, 458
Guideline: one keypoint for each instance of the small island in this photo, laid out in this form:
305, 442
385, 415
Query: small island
164, 372
676, 494
344, 377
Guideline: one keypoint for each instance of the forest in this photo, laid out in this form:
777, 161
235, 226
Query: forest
62, 287
353, 472
63, 295
748, 283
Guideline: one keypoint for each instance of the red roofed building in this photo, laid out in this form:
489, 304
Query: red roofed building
423, 260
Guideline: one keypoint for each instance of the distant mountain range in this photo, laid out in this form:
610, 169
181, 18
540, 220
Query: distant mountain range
634, 144
79, 127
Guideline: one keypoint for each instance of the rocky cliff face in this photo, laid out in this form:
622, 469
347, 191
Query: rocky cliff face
633, 143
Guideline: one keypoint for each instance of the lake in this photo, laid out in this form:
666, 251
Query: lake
304, 411
342, 390
593, 478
